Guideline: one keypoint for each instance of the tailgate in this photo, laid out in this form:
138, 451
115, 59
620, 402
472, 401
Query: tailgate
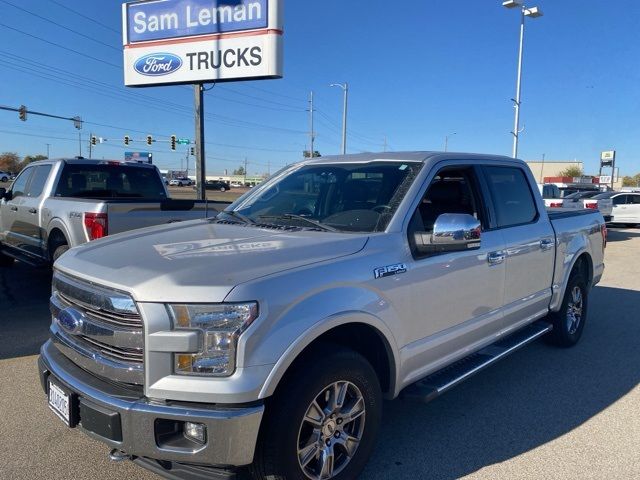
126, 216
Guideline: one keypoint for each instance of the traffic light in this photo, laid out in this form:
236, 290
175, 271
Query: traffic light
174, 139
149, 140
23, 113
193, 151
94, 140
127, 140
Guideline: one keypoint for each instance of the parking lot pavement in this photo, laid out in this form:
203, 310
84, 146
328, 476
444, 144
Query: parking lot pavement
542, 413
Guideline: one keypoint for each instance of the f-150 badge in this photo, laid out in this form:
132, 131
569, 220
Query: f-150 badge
389, 270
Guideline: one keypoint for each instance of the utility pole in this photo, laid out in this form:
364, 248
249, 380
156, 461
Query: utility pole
385, 143
200, 150
542, 169
80, 143
48, 145
311, 132
245, 171
90, 144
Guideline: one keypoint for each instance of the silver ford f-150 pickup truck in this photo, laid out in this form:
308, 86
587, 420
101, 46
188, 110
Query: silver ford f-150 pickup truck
54, 205
267, 338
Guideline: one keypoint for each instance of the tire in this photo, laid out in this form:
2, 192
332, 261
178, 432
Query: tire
58, 252
287, 431
568, 322
4, 179
223, 189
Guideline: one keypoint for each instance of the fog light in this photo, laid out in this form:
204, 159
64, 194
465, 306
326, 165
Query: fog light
196, 431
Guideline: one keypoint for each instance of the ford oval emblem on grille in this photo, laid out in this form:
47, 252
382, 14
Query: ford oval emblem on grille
71, 320
158, 64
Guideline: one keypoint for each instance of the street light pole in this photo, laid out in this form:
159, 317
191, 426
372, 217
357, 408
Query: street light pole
446, 141
345, 88
525, 11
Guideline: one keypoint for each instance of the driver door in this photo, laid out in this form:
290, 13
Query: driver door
14, 232
456, 298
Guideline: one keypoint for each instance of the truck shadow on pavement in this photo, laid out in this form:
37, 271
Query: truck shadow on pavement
24, 310
537, 395
617, 235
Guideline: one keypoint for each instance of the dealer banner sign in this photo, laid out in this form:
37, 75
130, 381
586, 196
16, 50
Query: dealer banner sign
169, 42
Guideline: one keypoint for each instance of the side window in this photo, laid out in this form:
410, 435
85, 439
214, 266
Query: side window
453, 190
19, 187
511, 195
39, 179
635, 199
620, 200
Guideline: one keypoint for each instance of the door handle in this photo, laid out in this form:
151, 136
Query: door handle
33, 210
546, 244
496, 258
13, 208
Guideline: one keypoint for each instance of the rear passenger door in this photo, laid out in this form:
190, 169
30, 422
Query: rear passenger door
529, 244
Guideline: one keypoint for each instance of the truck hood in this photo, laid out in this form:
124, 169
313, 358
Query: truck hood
200, 261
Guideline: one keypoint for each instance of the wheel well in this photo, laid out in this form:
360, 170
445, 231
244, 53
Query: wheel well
56, 239
584, 265
362, 338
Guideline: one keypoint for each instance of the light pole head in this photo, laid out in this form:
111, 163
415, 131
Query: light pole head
533, 12
512, 3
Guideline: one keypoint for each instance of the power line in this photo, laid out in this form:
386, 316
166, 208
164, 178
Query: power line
86, 17
61, 26
60, 46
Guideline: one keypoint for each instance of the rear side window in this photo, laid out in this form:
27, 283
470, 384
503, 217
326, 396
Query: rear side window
512, 199
19, 187
39, 179
110, 181
635, 199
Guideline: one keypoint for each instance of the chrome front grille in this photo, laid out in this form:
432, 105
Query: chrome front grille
98, 328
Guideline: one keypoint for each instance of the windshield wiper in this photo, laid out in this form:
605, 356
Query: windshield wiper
239, 216
291, 216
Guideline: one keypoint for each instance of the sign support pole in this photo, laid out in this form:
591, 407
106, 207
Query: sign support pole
200, 150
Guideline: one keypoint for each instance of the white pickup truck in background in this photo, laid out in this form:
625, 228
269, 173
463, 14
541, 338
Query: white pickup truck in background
54, 205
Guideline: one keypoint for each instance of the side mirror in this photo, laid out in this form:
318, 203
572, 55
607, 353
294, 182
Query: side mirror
4, 195
452, 232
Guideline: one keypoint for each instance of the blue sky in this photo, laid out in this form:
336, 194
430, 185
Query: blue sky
418, 70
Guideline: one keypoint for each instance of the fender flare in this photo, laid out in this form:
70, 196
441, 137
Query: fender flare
561, 289
316, 331
57, 224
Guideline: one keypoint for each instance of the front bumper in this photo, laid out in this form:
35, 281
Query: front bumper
124, 419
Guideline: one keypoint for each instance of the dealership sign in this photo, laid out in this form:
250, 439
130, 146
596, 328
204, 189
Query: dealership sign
197, 41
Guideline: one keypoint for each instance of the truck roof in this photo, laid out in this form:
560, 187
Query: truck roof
87, 161
409, 156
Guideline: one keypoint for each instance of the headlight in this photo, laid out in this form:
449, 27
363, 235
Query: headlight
221, 325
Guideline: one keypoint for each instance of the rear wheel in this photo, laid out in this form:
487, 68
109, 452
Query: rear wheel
568, 322
58, 252
323, 422
4, 179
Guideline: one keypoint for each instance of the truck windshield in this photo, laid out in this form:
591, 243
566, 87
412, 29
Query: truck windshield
358, 197
110, 181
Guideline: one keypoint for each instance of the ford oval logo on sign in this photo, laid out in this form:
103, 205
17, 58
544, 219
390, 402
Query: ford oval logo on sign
158, 64
71, 320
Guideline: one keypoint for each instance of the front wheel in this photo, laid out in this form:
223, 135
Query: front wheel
568, 322
323, 422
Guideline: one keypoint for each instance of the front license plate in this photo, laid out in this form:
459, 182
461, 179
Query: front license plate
60, 403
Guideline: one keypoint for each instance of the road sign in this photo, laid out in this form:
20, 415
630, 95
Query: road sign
608, 158
175, 41
184, 141
140, 157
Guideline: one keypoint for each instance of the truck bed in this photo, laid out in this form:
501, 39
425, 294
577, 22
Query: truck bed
562, 213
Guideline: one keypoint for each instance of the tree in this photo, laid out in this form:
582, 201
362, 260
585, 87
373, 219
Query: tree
9, 162
572, 171
631, 181
239, 171
29, 159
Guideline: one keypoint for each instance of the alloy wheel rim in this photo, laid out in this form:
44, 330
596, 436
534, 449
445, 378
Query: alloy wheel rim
574, 310
331, 431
